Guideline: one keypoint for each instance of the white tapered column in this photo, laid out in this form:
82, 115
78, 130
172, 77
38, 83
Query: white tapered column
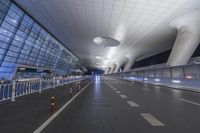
118, 65
188, 38
109, 69
113, 68
129, 63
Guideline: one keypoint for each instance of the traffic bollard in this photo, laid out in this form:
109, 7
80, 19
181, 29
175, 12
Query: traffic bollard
53, 106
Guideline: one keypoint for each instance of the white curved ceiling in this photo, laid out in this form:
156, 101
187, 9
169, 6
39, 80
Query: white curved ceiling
140, 25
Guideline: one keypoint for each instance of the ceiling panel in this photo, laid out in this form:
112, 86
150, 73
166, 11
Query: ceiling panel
140, 25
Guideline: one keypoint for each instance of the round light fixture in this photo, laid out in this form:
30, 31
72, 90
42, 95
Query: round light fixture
98, 57
106, 41
101, 58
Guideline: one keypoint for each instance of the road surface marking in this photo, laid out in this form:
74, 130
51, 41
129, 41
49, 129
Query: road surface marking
132, 104
123, 96
187, 101
151, 119
118, 92
111, 86
157, 87
146, 89
47, 122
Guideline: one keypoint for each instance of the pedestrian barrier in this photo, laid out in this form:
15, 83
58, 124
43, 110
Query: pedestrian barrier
181, 77
9, 91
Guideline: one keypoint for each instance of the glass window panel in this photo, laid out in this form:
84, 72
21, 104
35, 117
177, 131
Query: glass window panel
8, 26
5, 69
14, 48
12, 54
4, 45
23, 56
10, 59
11, 21
2, 15
30, 43
2, 51
5, 38
3, 7
6, 32
16, 9
6, 2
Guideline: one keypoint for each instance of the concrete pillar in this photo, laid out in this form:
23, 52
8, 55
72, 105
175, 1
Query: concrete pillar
113, 68
106, 71
109, 69
129, 63
118, 65
188, 38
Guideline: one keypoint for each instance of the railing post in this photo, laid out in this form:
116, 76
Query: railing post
13, 90
40, 87
29, 87
4, 92
62, 81
54, 82
170, 72
184, 73
154, 72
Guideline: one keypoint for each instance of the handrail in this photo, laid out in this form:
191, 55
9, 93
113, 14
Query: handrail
9, 91
191, 71
155, 67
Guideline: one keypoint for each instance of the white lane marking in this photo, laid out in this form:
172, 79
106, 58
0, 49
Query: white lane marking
118, 92
47, 122
146, 89
132, 104
190, 102
157, 87
113, 88
152, 120
123, 96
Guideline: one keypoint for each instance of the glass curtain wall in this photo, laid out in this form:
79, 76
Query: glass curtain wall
24, 42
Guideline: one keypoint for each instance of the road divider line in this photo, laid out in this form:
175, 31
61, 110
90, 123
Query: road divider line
118, 92
146, 89
132, 104
111, 86
47, 122
152, 120
123, 96
187, 101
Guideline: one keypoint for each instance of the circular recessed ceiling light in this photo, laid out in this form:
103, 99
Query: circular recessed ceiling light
98, 63
98, 57
101, 58
106, 41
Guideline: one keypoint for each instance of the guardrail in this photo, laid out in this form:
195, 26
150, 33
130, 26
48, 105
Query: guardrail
183, 72
15, 89
184, 77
